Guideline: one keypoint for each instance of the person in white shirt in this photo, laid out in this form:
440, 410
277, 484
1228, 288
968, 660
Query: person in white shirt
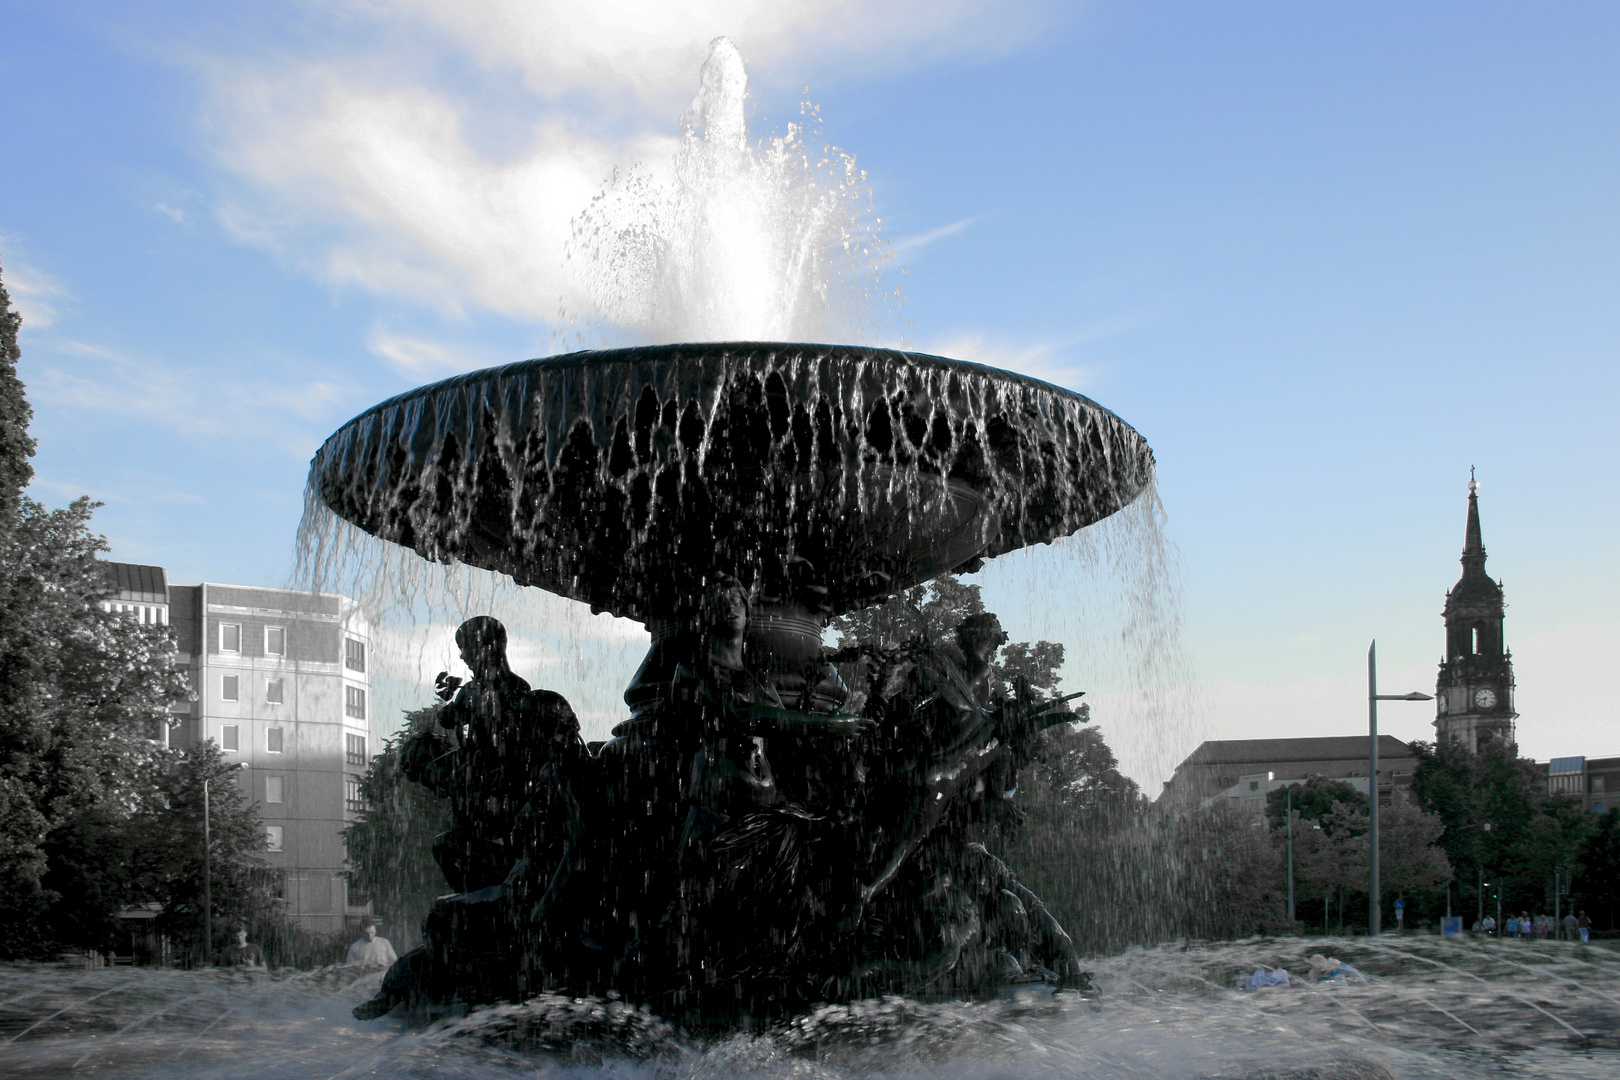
370, 951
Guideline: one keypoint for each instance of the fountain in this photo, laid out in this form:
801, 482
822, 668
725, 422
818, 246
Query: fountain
733, 497
743, 850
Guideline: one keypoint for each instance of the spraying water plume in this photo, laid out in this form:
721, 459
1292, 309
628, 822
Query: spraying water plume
774, 243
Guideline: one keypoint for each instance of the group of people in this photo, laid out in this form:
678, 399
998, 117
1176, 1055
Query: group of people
370, 951
1574, 925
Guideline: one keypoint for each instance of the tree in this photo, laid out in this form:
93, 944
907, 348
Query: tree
391, 846
82, 690
1313, 800
1598, 876
1530, 833
1075, 772
15, 413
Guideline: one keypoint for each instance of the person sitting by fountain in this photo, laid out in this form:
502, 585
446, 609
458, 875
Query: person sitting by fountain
370, 951
243, 954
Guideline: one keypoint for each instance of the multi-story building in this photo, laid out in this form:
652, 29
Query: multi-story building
283, 686
1595, 781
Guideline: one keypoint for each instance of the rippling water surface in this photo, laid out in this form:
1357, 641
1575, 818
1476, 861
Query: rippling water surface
1428, 1009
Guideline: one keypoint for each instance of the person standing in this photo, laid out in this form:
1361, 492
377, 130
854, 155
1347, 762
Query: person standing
1569, 926
1584, 926
370, 951
242, 954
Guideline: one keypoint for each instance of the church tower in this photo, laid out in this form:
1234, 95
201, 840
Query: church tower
1474, 694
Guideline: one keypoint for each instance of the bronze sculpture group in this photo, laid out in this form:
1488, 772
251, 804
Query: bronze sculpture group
726, 856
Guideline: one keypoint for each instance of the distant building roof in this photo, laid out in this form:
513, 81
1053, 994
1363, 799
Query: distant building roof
1217, 764
148, 584
1325, 748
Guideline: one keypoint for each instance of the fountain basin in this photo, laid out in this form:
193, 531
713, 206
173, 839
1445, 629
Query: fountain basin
825, 477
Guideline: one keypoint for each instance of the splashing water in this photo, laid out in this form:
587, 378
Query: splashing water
735, 243
1428, 1009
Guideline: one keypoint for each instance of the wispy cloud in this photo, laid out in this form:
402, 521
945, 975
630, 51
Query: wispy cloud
34, 293
356, 168
216, 402
908, 245
420, 358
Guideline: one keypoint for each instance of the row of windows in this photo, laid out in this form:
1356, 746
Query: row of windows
275, 693
230, 738
275, 787
275, 644
1570, 784
147, 614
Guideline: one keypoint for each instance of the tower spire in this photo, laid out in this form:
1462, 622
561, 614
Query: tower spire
1473, 555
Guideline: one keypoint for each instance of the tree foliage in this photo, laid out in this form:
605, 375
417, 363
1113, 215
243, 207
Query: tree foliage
391, 845
1531, 834
1313, 800
16, 447
1598, 875
83, 691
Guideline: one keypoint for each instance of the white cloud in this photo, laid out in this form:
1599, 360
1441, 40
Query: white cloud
360, 168
33, 292
211, 402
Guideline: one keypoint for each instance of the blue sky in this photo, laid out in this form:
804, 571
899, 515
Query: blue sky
1325, 257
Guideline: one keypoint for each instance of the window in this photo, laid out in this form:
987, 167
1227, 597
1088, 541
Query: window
354, 702
228, 738
272, 740
354, 751
275, 789
354, 654
352, 802
273, 691
228, 689
275, 641
1597, 785
230, 637
1564, 784
274, 837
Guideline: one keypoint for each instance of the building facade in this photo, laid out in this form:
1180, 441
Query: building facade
1594, 781
283, 686
1474, 691
1246, 770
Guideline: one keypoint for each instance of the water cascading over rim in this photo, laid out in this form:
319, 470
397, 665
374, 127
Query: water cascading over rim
823, 477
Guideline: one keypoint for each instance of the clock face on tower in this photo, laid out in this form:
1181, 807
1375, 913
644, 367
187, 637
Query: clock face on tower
1485, 697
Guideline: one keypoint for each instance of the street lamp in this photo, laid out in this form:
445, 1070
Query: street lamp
208, 871
1290, 796
1376, 922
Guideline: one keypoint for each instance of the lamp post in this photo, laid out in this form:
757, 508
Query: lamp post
1290, 796
208, 871
1375, 923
